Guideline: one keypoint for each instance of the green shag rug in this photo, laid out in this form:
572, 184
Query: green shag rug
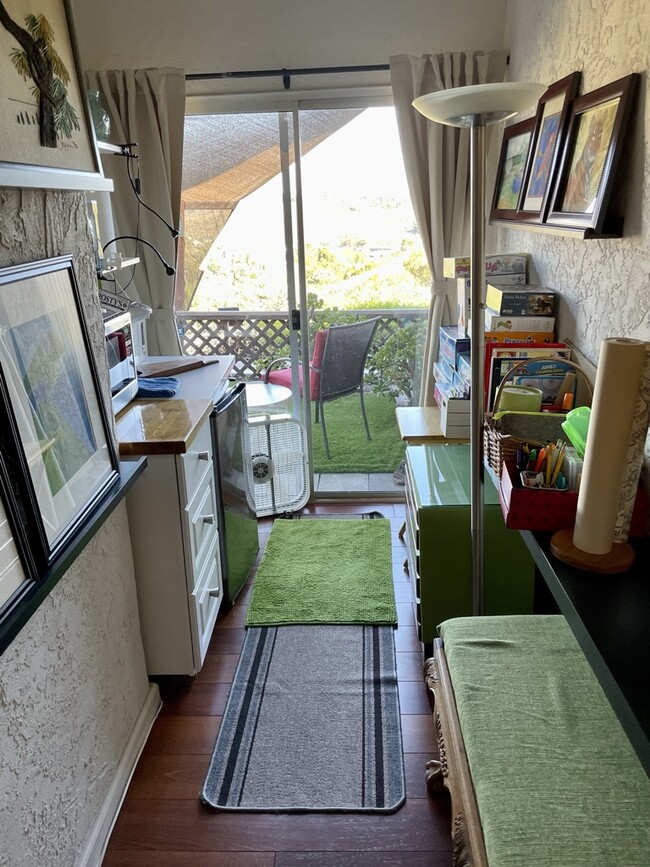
325, 571
351, 451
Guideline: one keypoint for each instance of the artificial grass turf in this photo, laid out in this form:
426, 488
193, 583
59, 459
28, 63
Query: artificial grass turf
350, 449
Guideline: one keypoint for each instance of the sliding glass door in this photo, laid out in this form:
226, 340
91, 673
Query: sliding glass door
296, 222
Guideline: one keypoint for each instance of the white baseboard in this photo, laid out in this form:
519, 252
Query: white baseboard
97, 839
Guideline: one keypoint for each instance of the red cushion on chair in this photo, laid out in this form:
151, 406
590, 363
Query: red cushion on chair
283, 377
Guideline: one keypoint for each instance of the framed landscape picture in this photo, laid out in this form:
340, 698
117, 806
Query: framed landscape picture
596, 132
510, 173
546, 142
47, 138
59, 457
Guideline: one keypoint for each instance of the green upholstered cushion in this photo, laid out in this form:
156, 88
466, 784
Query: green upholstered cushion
557, 782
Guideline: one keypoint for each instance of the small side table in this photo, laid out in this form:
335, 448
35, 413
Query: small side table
260, 395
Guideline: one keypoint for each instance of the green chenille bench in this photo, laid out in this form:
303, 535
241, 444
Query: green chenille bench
539, 769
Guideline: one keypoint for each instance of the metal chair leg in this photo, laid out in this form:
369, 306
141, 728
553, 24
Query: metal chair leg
363, 412
322, 421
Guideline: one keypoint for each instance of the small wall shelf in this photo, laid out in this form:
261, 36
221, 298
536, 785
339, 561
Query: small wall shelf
613, 229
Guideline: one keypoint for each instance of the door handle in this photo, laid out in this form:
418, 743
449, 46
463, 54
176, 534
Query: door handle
203, 456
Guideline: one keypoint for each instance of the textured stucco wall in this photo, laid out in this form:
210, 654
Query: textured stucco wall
204, 36
604, 286
73, 681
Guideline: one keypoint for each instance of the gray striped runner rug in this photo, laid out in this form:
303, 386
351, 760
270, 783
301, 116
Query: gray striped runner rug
312, 723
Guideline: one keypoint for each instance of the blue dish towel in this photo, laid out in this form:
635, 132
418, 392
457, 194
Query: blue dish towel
158, 386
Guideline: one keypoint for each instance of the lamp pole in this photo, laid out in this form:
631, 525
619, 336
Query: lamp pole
476, 107
477, 354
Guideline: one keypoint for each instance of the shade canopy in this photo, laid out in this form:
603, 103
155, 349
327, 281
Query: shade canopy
479, 104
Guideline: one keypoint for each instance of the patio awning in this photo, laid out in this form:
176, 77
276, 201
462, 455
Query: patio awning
228, 156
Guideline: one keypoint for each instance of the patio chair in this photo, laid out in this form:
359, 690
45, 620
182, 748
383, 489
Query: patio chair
336, 368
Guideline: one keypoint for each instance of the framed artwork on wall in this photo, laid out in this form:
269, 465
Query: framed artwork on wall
510, 173
545, 148
59, 456
595, 135
47, 135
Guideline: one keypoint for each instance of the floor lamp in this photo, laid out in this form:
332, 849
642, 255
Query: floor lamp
477, 107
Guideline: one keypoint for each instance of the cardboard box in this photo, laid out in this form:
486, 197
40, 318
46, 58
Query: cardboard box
498, 322
463, 292
521, 301
499, 263
452, 343
519, 337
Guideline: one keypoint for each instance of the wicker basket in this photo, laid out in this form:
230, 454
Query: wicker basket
500, 438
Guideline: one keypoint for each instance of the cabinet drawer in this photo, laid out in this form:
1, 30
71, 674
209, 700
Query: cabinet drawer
194, 463
206, 596
202, 527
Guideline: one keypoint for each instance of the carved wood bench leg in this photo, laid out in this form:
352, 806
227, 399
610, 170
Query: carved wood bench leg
434, 777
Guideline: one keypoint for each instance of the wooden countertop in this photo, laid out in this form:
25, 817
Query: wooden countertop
160, 427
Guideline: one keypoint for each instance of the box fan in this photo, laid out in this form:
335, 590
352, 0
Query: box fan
280, 473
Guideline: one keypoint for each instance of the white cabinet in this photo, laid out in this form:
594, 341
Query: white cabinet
175, 538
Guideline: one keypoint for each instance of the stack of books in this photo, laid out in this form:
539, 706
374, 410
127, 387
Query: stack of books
519, 313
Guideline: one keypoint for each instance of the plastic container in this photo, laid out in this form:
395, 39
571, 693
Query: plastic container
576, 427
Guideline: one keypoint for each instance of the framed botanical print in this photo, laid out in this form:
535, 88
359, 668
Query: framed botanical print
510, 173
47, 137
596, 132
59, 458
545, 149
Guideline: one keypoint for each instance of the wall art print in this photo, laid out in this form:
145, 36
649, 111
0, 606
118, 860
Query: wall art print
595, 138
510, 174
47, 139
60, 459
546, 147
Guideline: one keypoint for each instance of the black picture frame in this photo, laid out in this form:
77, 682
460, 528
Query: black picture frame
59, 456
510, 172
546, 145
596, 129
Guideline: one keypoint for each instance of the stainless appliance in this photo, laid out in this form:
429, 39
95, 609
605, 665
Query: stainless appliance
235, 499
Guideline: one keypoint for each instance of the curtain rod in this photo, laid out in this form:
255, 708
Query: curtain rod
285, 73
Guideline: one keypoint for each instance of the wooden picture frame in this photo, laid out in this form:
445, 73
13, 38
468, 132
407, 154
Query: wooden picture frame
596, 129
58, 452
510, 173
546, 147
46, 143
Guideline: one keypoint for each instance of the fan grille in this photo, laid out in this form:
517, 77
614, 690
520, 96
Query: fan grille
279, 444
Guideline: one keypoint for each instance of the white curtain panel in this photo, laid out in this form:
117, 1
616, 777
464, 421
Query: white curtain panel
147, 107
437, 163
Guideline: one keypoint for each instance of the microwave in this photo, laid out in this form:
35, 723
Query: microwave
120, 355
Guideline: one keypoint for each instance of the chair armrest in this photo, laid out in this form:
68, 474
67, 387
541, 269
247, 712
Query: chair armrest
274, 363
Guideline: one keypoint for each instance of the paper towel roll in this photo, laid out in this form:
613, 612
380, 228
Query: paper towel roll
635, 450
618, 383
520, 398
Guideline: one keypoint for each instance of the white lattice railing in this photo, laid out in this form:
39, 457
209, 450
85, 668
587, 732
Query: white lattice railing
255, 338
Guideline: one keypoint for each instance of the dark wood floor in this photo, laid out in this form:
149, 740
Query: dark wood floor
162, 821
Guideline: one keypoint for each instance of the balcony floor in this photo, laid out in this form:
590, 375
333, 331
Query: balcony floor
376, 483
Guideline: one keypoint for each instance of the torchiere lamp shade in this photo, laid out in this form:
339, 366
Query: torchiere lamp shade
479, 104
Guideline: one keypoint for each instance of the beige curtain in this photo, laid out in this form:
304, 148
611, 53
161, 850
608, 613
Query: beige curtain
147, 107
436, 159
